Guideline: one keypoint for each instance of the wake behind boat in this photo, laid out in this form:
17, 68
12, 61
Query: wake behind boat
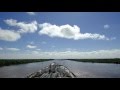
53, 71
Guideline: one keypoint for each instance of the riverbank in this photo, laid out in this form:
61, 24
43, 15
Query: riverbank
8, 62
80, 69
114, 61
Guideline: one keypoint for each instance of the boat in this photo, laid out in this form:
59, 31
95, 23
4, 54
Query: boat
54, 70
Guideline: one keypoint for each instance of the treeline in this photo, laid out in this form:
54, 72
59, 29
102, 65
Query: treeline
7, 62
115, 60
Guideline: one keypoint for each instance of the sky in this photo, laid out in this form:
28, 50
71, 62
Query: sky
59, 35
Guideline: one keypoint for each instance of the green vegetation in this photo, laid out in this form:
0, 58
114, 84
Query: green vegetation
115, 60
7, 62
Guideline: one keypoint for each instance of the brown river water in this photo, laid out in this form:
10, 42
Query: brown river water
81, 69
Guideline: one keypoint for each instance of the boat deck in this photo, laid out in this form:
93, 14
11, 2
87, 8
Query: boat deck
53, 71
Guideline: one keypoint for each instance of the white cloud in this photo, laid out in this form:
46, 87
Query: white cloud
23, 26
67, 31
31, 46
106, 26
9, 35
1, 48
11, 22
31, 13
13, 49
63, 31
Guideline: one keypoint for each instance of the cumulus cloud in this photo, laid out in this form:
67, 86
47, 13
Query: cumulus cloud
23, 26
64, 31
31, 13
9, 35
1, 48
31, 46
106, 26
11, 22
68, 31
12, 49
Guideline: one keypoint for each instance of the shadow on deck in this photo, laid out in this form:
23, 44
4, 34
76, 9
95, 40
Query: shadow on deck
54, 70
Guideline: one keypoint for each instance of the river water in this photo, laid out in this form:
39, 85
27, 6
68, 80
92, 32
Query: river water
81, 69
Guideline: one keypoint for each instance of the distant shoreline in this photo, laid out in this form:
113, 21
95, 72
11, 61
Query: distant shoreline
8, 62
114, 60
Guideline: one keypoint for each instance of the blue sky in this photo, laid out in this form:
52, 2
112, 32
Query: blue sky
59, 34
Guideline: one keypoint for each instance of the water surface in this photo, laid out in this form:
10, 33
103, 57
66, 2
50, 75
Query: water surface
81, 69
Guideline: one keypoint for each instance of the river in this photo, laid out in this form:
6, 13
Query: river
81, 69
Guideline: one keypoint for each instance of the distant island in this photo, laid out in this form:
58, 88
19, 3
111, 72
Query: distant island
8, 62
